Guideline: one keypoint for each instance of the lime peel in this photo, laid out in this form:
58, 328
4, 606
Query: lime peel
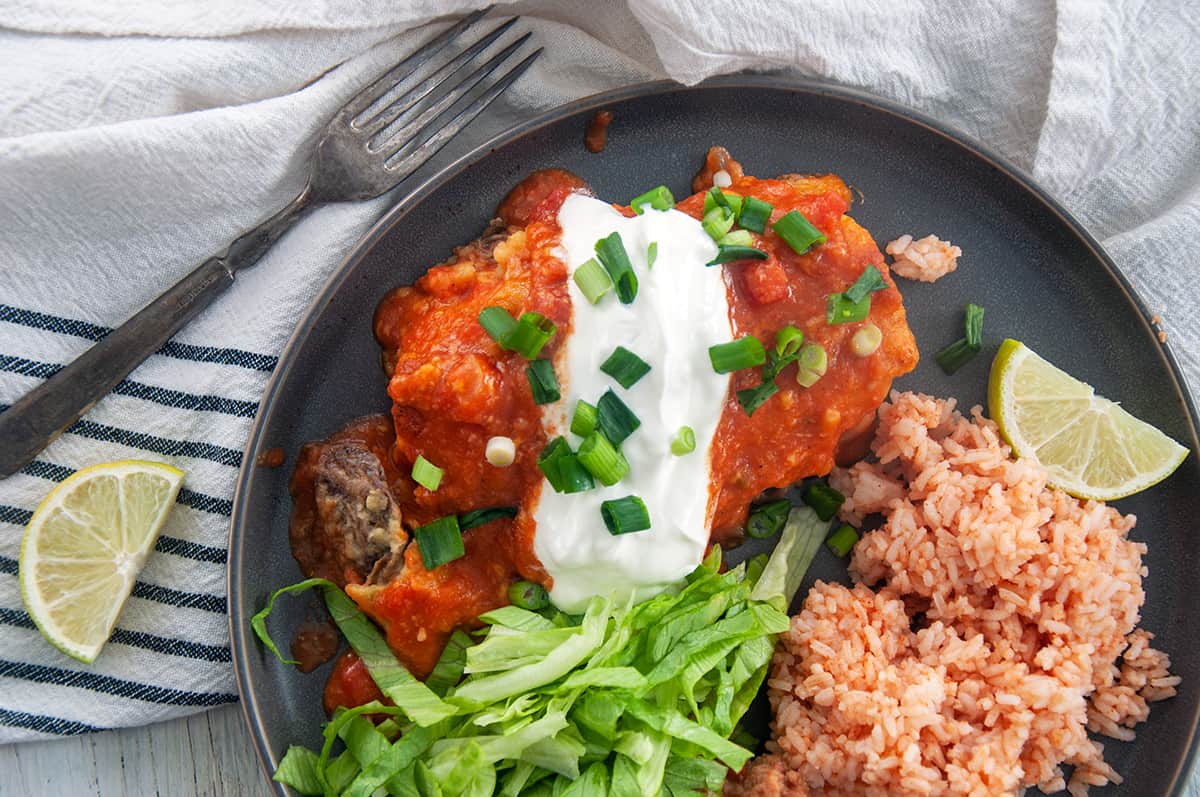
84, 546
1091, 447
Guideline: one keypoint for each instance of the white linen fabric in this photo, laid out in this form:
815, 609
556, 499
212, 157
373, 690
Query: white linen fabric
139, 137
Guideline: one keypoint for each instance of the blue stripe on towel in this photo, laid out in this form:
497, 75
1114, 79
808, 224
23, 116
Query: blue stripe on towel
180, 351
137, 639
159, 395
153, 592
57, 676
200, 501
44, 724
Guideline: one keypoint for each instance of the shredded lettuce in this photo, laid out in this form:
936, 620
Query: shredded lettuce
627, 700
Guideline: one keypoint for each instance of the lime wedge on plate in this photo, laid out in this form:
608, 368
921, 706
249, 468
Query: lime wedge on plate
85, 545
1090, 446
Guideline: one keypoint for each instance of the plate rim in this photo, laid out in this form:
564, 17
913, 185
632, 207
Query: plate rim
239, 637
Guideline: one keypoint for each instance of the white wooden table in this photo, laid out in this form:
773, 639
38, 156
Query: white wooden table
208, 755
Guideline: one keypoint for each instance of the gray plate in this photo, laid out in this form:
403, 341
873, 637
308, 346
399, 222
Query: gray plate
1042, 278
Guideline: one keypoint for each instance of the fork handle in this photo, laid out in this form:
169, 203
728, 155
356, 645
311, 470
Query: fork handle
43, 413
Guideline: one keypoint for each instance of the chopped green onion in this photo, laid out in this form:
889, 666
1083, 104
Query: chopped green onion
717, 198
614, 419
840, 310
797, 232
742, 353
717, 222
583, 421
842, 540
575, 477
974, 326
593, 281
866, 340
603, 460
532, 332
755, 214
729, 254
497, 322
867, 283
753, 398
528, 595
543, 382
624, 515
684, 441
767, 519
955, 356
625, 367
500, 451
811, 364
426, 474
439, 542
824, 500
958, 353
651, 254
788, 341
469, 520
615, 259
659, 198
563, 469
737, 238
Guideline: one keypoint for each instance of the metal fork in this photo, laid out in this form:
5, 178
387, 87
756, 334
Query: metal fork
382, 135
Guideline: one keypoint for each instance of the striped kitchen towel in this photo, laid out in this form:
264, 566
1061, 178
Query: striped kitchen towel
138, 138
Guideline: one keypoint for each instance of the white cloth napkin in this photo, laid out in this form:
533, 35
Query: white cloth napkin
138, 137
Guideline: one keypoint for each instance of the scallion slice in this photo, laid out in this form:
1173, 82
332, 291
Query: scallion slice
625, 515
439, 542
615, 259
684, 441
614, 419
824, 500
960, 352
842, 541
651, 254
497, 322
426, 474
625, 367
811, 364
797, 232
593, 281
840, 310
755, 214
753, 398
767, 519
788, 341
867, 283
717, 222
563, 469
603, 460
974, 326
659, 198
583, 421
716, 198
729, 254
737, 354
543, 382
478, 517
737, 238
532, 332
528, 595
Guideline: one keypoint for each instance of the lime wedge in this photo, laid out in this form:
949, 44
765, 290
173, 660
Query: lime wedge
85, 545
1090, 446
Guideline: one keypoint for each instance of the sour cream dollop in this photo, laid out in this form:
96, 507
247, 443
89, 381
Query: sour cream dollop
681, 309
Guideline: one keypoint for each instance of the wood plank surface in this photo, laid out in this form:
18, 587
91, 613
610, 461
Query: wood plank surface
204, 755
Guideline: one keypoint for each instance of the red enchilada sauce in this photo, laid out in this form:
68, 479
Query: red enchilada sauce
453, 388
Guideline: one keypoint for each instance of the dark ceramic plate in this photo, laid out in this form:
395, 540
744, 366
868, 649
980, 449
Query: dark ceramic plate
1042, 278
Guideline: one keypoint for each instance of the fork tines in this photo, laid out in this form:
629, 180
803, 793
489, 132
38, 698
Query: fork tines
410, 112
